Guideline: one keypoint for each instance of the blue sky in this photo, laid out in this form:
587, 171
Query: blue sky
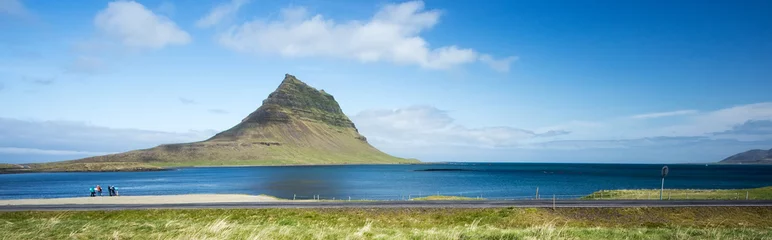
560, 81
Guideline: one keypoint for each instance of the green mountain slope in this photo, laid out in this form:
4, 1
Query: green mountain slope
756, 156
296, 125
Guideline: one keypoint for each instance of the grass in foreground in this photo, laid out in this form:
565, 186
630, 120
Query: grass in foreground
514, 223
764, 193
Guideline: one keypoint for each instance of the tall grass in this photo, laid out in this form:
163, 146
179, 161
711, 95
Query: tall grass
764, 193
516, 223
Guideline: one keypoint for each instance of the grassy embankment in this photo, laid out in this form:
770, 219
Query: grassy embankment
444, 197
8, 166
514, 223
79, 167
764, 193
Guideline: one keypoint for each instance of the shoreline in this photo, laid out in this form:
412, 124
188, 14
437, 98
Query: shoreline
152, 199
172, 168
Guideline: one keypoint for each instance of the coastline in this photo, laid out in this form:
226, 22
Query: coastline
172, 168
154, 199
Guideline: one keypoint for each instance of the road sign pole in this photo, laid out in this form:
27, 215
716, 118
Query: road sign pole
662, 189
665, 171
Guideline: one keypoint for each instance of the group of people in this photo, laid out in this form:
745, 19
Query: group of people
98, 190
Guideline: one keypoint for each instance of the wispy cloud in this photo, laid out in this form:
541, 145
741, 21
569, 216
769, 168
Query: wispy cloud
393, 34
86, 65
664, 114
81, 137
13, 8
188, 101
39, 80
220, 13
429, 126
750, 127
218, 111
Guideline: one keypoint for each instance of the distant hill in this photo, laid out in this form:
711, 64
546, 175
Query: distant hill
296, 125
756, 156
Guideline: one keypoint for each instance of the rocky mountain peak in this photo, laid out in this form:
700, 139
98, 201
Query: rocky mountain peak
294, 100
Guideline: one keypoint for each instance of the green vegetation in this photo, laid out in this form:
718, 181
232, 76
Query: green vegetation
7, 167
72, 166
764, 193
296, 125
756, 156
443, 197
511, 223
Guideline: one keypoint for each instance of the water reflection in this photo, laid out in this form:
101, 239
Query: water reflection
300, 182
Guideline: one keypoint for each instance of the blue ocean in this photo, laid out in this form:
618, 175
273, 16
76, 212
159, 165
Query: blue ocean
392, 182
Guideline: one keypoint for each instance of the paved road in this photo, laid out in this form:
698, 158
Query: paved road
401, 204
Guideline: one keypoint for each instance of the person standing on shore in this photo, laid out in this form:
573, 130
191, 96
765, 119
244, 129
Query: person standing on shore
99, 190
93, 192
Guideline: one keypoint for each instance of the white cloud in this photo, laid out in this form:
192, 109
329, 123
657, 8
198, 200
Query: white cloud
664, 114
429, 126
392, 34
13, 8
135, 26
219, 13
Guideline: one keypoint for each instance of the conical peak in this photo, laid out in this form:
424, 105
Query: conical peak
290, 78
296, 99
293, 84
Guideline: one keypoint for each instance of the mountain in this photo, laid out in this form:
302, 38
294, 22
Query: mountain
756, 156
296, 125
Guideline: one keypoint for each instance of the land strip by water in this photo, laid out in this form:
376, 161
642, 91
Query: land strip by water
273, 203
395, 223
764, 193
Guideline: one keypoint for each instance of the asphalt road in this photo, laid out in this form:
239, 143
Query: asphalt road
402, 204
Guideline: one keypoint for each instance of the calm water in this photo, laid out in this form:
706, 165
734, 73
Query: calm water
494, 180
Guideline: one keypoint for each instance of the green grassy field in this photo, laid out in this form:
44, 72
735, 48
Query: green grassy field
514, 223
764, 193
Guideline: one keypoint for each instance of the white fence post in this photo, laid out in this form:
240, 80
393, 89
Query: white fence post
537, 193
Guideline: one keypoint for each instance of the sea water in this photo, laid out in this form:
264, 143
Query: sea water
385, 182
